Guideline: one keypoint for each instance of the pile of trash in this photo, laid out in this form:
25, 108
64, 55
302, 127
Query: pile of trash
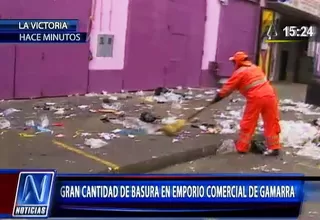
288, 105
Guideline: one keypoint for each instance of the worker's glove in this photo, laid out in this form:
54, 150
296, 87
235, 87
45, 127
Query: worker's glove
217, 98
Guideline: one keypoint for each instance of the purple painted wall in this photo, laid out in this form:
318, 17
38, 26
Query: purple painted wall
238, 30
7, 56
52, 70
163, 47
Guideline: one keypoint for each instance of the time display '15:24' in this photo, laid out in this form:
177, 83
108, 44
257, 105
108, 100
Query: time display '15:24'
299, 31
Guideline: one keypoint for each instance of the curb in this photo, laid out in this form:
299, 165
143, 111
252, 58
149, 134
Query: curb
159, 163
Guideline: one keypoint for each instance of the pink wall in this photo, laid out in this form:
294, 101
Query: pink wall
149, 59
159, 48
110, 17
42, 69
210, 41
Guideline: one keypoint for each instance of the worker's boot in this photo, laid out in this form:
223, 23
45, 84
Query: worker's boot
271, 152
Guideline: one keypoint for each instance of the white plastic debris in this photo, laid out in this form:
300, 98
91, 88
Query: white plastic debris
4, 124
140, 93
95, 143
310, 150
30, 123
108, 136
287, 105
228, 126
92, 94
198, 108
297, 134
113, 98
210, 92
113, 106
44, 121
59, 111
168, 97
168, 120
82, 107
265, 169
137, 124
85, 134
227, 146
10, 111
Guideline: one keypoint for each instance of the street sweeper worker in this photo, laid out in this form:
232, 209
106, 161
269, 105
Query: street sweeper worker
261, 98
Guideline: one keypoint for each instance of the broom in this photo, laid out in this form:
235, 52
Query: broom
177, 126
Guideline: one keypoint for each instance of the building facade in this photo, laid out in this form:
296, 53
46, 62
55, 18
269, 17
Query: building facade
133, 45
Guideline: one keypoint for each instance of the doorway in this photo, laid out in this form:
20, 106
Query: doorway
283, 65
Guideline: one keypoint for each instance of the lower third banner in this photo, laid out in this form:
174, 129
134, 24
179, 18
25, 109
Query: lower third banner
43, 37
32, 194
175, 197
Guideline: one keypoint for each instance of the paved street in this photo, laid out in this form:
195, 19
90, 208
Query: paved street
73, 119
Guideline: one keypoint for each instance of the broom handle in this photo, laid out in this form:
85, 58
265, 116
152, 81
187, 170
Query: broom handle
198, 112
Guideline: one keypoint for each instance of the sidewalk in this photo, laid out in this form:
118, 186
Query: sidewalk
65, 149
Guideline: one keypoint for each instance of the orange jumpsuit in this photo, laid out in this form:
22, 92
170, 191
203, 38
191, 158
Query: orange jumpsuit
261, 99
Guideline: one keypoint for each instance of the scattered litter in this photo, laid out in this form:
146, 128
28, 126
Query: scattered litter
25, 135
160, 90
137, 124
83, 107
57, 124
92, 94
208, 128
30, 123
168, 97
168, 120
10, 111
95, 143
59, 111
210, 92
60, 135
288, 105
85, 134
174, 140
297, 134
113, 98
265, 169
140, 93
4, 124
129, 132
44, 121
258, 147
227, 146
147, 117
310, 150
108, 136
40, 129
50, 103
198, 109
114, 106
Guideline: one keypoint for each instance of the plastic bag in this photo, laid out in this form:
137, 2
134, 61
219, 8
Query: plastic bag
9, 111
44, 121
4, 123
95, 143
227, 146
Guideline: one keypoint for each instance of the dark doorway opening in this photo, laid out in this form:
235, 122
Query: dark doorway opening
283, 65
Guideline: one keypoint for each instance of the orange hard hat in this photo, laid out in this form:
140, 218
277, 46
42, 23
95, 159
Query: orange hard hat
240, 58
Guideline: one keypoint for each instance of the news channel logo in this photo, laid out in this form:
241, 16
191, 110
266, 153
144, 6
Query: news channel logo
33, 194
